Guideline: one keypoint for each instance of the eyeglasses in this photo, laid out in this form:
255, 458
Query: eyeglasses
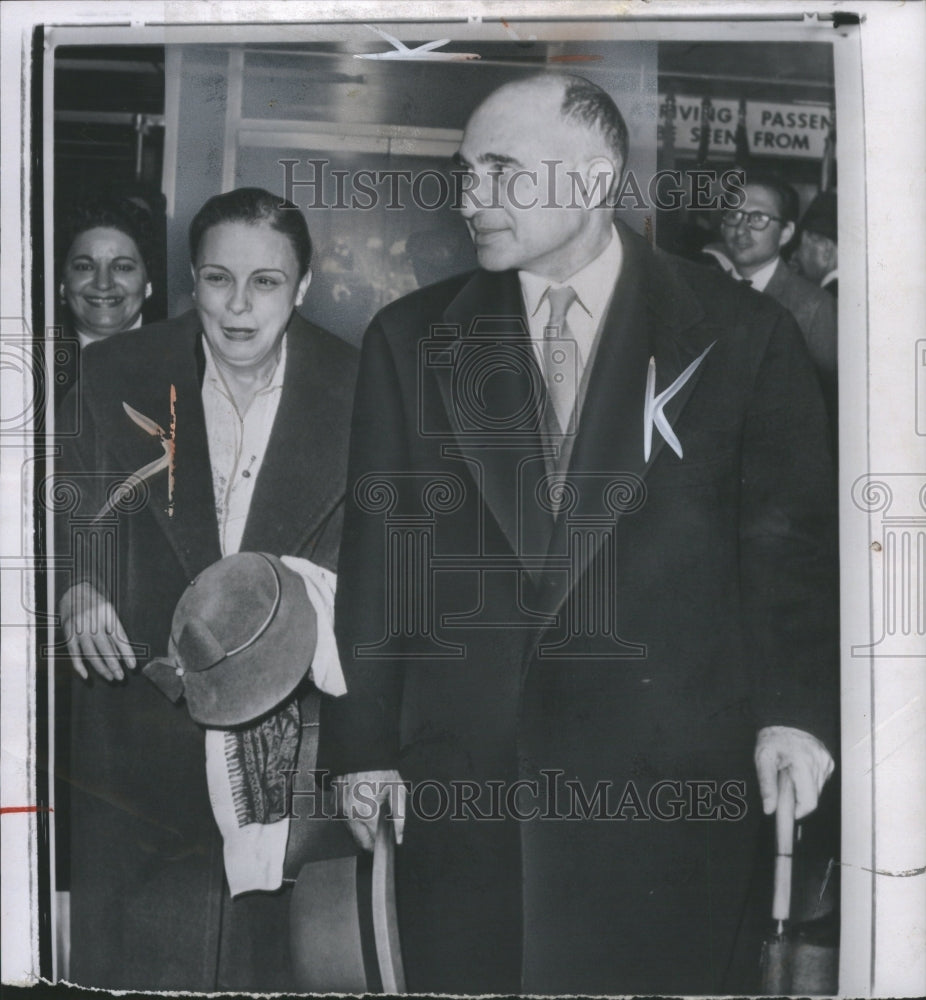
755, 220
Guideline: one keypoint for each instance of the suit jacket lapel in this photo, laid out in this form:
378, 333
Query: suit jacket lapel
506, 458
303, 472
652, 315
188, 522
777, 284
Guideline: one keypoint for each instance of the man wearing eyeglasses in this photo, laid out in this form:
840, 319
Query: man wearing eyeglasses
754, 236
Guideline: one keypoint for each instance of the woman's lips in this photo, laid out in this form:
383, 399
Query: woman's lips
104, 301
238, 332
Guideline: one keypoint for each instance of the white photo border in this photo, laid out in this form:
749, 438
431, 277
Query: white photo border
879, 82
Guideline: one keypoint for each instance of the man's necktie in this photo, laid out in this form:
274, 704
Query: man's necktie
559, 360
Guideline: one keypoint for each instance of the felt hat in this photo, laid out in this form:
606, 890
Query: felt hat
820, 216
242, 638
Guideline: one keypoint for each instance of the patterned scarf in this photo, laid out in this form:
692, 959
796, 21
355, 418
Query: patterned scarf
257, 755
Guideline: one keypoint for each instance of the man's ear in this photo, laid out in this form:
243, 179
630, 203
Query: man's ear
600, 177
303, 286
787, 231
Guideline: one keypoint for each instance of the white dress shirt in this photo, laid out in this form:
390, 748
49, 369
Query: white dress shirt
237, 444
593, 285
254, 853
760, 279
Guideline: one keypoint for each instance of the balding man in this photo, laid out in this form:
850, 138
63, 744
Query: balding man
587, 577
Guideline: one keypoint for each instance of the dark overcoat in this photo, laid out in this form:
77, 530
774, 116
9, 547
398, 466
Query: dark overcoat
814, 308
507, 664
149, 905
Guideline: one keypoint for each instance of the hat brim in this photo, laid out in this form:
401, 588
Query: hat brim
251, 683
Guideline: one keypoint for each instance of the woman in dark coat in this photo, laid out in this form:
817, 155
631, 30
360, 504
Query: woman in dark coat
233, 419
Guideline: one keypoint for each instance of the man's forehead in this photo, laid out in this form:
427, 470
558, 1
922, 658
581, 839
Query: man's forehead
515, 124
818, 239
759, 194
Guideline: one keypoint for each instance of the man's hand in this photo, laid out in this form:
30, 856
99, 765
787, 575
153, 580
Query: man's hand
362, 796
804, 756
94, 633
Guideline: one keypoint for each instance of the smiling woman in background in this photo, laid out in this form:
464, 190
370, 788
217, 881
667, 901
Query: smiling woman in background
105, 261
105, 282
231, 424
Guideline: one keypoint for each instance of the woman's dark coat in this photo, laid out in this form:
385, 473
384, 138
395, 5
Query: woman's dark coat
149, 904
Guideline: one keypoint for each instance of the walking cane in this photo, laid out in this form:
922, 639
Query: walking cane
794, 958
776, 951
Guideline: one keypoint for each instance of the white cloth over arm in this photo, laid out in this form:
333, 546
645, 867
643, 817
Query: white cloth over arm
238, 441
254, 853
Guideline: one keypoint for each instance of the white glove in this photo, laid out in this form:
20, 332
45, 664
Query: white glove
809, 762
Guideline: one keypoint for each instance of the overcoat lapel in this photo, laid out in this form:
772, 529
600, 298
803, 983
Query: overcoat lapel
187, 519
310, 433
291, 500
777, 285
652, 315
508, 461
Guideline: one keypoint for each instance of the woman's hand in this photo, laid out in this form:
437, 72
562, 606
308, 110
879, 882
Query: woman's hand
94, 633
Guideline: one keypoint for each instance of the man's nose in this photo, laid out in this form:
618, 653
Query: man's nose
469, 204
479, 191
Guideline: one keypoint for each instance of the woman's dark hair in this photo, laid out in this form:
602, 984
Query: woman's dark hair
110, 213
253, 205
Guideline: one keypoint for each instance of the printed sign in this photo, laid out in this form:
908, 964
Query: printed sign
793, 130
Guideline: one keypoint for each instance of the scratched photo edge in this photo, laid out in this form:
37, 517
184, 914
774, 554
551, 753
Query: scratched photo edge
856, 688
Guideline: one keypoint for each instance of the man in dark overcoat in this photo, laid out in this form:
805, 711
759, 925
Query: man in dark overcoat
575, 625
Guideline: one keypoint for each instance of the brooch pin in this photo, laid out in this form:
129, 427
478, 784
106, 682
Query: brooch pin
166, 461
653, 405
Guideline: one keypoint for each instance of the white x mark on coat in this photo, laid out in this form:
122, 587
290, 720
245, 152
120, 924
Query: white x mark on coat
653, 405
